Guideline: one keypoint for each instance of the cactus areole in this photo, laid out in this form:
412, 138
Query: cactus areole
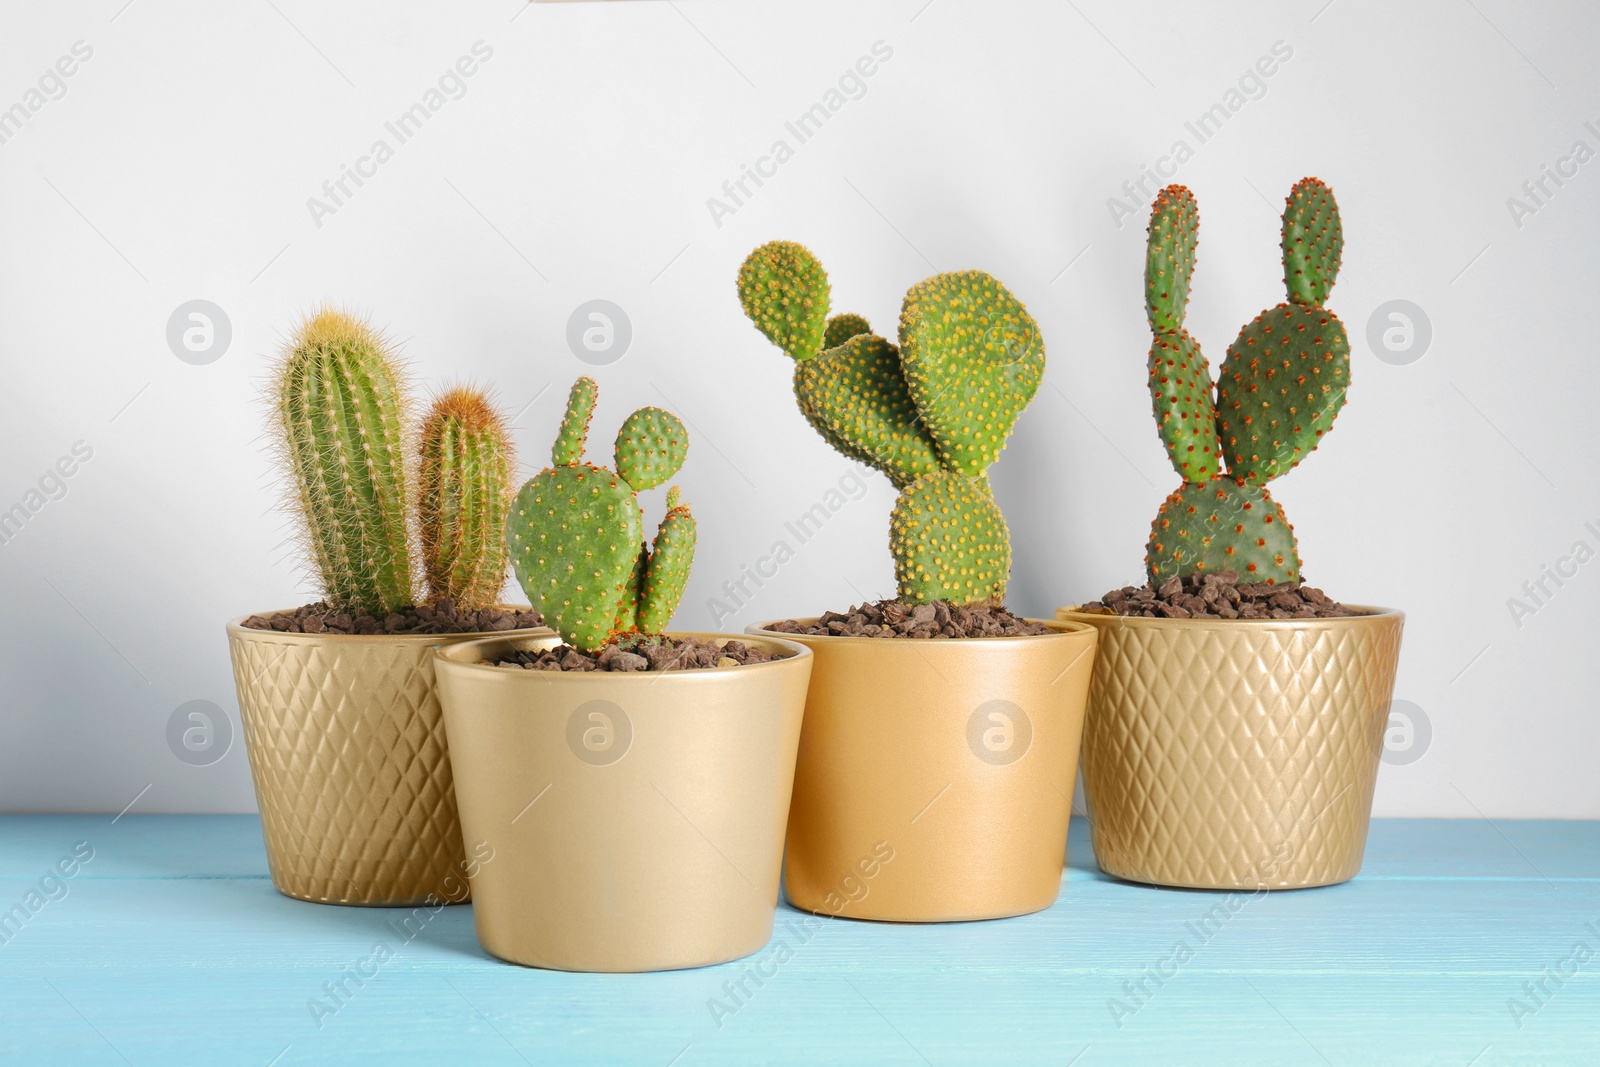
576, 533
932, 412
1277, 393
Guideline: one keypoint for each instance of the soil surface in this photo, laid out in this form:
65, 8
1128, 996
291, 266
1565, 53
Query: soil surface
1219, 596
440, 617
895, 618
641, 654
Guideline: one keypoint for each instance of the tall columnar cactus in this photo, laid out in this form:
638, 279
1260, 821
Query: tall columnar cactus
932, 413
463, 496
1279, 389
576, 533
341, 412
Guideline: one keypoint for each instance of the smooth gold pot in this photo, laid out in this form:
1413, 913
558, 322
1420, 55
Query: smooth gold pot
347, 749
623, 822
934, 780
1235, 753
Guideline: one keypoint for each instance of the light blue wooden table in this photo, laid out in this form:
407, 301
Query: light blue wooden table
170, 946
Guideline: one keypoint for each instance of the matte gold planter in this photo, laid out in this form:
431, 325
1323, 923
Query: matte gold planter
935, 778
347, 750
1236, 754
624, 822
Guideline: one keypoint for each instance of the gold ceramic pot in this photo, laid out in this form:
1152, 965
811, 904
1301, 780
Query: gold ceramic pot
347, 748
934, 780
1234, 753
621, 821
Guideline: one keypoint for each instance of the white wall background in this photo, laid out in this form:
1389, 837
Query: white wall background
577, 165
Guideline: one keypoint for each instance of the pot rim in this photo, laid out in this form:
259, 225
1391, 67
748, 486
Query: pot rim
1368, 614
1058, 627
456, 654
237, 626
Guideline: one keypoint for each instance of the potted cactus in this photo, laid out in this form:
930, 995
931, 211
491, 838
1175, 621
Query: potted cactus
1237, 714
935, 774
633, 783
341, 722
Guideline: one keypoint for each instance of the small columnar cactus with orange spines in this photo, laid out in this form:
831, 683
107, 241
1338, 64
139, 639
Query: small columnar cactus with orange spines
576, 533
1277, 393
463, 494
933, 412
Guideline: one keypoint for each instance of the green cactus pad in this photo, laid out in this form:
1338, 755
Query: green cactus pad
857, 399
784, 291
1280, 388
674, 495
1313, 242
574, 535
574, 431
973, 358
1169, 257
1225, 525
950, 541
667, 574
651, 447
843, 327
1180, 393
628, 607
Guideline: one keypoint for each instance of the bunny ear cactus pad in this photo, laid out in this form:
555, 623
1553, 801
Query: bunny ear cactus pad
1313, 242
577, 536
1281, 387
1227, 524
1174, 233
651, 447
784, 291
842, 327
857, 398
1180, 393
667, 574
972, 358
950, 541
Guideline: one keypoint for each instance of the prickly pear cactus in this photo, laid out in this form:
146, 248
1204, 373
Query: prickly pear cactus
463, 494
1276, 394
933, 412
341, 416
576, 534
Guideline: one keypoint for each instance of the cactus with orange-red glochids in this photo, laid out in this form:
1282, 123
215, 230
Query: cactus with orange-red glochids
576, 533
1275, 396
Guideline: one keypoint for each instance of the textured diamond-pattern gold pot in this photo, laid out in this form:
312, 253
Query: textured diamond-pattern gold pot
347, 748
934, 780
1232, 753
